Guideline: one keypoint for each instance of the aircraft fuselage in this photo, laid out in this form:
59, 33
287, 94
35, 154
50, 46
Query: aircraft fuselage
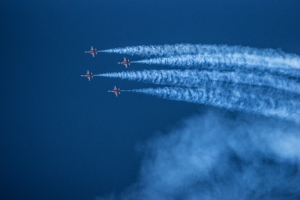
125, 62
87, 75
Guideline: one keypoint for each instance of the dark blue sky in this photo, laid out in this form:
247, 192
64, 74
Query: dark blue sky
63, 137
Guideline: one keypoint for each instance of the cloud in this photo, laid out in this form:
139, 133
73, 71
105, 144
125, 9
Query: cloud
215, 156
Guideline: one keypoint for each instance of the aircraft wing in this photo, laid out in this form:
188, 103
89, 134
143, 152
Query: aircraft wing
124, 58
116, 94
115, 88
89, 78
125, 65
93, 54
87, 71
92, 48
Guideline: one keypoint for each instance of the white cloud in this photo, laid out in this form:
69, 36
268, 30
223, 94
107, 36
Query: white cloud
216, 157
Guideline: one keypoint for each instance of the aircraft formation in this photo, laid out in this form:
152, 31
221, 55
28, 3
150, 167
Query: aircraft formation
93, 51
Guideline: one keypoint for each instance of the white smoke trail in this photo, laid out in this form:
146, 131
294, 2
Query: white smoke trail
220, 61
180, 49
213, 54
196, 78
257, 100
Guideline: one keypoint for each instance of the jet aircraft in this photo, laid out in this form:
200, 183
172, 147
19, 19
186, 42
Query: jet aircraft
92, 51
88, 75
115, 90
125, 62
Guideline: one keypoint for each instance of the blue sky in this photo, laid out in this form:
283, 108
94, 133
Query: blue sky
63, 137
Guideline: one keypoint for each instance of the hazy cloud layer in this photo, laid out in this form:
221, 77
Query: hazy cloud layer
216, 157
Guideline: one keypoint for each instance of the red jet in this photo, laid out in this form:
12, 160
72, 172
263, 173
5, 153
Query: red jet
115, 90
124, 62
88, 75
92, 51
